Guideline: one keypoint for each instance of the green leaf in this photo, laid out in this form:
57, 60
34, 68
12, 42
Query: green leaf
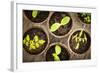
34, 13
27, 43
57, 49
37, 45
85, 38
54, 27
32, 47
32, 42
24, 41
65, 20
80, 34
56, 58
41, 42
27, 38
36, 38
77, 46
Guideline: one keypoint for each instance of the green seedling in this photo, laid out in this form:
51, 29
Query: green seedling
57, 52
26, 40
78, 39
33, 44
65, 20
34, 13
86, 17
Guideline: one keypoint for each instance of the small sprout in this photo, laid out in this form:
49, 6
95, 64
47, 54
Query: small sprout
56, 58
33, 44
54, 27
57, 49
65, 20
86, 17
34, 13
57, 52
78, 39
41, 42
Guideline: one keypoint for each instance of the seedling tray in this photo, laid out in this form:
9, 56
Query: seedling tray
76, 24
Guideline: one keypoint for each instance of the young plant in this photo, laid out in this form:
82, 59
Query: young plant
65, 20
34, 13
57, 52
86, 17
78, 39
33, 44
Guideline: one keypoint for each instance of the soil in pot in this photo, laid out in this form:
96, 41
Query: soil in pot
80, 41
57, 53
34, 41
36, 16
85, 17
60, 23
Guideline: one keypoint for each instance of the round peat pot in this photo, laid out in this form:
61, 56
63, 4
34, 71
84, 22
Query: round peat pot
36, 16
60, 24
57, 52
35, 40
85, 17
79, 41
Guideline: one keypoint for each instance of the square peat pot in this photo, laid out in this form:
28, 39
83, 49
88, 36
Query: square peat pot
52, 36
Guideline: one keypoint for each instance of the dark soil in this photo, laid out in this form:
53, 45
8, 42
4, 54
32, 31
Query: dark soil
64, 55
32, 32
83, 46
56, 18
42, 15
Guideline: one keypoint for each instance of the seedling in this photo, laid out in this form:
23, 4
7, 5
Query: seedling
34, 13
78, 39
86, 17
57, 52
33, 44
65, 20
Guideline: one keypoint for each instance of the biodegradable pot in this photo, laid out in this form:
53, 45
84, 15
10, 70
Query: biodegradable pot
83, 46
41, 16
63, 30
82, 19
64, 55
42, 35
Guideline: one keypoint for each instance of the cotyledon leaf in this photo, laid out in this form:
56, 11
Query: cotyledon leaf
41, 42
27, 38
54, 27
36, 38
56, 58
57, 49
65, 20
34, 13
